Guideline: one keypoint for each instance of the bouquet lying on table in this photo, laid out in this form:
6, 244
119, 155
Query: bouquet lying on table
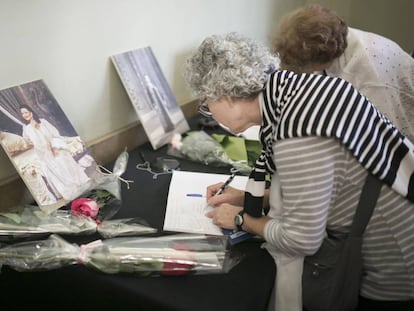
171, 255
33, 222
89, 213
200, 147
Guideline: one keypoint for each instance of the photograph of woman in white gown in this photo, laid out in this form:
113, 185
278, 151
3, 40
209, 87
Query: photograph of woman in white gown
44, 147
64, 176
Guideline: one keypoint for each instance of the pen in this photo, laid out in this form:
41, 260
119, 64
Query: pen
226, 183
223, 186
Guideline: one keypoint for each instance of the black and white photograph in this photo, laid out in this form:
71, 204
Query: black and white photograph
150, 94
44, 147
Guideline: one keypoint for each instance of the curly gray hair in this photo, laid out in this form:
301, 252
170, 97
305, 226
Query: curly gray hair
228, 65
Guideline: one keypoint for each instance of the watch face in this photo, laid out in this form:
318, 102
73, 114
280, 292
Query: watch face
238, 220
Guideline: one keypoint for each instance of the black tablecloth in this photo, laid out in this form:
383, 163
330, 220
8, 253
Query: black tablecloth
246, 287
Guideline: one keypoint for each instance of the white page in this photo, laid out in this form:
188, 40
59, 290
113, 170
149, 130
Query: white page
186, 213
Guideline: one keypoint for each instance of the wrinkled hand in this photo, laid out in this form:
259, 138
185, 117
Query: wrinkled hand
229, 195
223, 215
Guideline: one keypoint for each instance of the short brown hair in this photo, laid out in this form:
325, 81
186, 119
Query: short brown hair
310, 35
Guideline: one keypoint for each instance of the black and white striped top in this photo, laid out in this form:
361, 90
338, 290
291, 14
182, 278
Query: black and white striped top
300, 105
320, 188
321, 182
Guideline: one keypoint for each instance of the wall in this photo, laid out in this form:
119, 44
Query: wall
68, 45
391, 19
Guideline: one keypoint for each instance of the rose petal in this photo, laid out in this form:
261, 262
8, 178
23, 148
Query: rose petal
85, 206
174, 268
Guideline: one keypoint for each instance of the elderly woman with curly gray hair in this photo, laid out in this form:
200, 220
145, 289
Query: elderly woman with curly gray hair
320, 139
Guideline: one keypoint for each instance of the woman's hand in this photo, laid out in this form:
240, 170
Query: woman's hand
223, 215
229, 195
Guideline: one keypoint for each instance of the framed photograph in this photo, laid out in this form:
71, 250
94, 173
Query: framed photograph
43, 146
150, 94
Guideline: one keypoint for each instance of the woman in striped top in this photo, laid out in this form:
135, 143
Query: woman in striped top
323, 137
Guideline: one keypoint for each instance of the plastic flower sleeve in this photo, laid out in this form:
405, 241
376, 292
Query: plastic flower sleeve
65, 222
163, 256
198, 146
31, 221
124, 227
157, 256
48, 254
12, 225
112, 184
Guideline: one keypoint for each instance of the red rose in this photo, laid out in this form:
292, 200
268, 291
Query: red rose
176, 266
85, 206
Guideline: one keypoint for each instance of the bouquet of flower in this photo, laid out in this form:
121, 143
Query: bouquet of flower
40, 255
32, 221
81, 216
173, 255
103, 200
166, 255
200, 147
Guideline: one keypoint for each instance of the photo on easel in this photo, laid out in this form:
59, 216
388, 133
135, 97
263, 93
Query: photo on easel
150, 94
43, 146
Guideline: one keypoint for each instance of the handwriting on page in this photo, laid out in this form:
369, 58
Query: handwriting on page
189, 216
186, 204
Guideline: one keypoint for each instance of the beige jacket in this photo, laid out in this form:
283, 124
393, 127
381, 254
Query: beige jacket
383, 72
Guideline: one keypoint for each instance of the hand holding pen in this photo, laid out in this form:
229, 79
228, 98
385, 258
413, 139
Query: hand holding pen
219, 190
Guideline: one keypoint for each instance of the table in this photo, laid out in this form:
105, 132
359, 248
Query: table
246, 287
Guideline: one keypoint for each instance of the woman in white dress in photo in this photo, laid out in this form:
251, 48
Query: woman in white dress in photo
64, 176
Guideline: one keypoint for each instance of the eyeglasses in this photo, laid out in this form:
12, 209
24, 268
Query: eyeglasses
203, 109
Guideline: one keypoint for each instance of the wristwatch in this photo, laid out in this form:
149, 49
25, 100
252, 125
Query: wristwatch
239, 220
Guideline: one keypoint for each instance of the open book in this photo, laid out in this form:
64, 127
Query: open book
186, 204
